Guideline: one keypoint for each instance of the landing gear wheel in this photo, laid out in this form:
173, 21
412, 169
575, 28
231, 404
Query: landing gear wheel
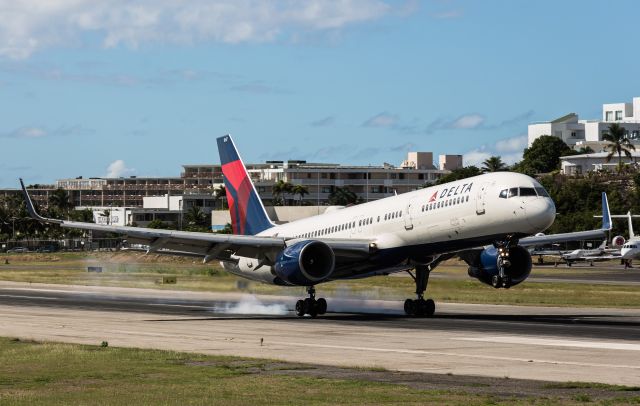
419, 307
409, 307
496, 281
300, 308
506, 282
310, 305
321, 306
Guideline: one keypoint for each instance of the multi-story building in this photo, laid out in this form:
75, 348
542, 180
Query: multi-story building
582, 133
197, 184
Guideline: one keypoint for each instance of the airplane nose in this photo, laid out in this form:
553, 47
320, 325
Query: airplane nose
540, 213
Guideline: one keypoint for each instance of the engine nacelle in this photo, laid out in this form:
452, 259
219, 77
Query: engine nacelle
305, 263
617, 241
485, 265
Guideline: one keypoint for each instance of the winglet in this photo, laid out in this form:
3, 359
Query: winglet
32, 210
606, 215
630, 219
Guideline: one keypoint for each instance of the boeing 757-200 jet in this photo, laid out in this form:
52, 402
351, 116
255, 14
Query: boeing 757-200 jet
486, 220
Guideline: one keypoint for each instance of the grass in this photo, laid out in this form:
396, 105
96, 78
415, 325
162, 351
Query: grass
136, 270
33, 373
44, 374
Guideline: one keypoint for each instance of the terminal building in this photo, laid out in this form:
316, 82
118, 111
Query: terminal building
588, 133
139, 200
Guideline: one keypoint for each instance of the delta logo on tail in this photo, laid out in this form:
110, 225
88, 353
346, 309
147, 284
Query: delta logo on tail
247, 214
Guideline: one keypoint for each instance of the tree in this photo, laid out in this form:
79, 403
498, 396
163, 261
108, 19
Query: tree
543, 155
159, 224
460, 173
300, 190
618, 143
493, 164
342, 196
280, 189
221, 193
61, 201
196, 219
585, 150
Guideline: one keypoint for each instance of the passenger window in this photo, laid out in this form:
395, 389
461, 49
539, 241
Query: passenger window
513, 192
503, 194
467, 198
378, 219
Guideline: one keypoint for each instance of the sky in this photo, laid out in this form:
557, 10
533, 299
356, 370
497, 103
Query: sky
141, 87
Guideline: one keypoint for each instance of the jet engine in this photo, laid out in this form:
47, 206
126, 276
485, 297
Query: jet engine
617, 241
305, 263
484, 265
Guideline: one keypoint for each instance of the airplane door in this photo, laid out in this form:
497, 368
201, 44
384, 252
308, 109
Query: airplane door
481, 199
408, 221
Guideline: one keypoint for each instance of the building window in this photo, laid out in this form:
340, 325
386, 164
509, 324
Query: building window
618, 115
608, 116
574, 134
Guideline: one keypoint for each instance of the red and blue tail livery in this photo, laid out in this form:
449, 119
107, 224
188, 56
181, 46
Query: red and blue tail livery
248, 216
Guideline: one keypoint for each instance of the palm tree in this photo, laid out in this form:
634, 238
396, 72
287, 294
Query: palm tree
342, 197
221, 193
493, 164
60, 200
195, 217
280, 188
300, 190
618, 143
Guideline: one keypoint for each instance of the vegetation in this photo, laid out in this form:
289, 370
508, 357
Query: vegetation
342, 196
460, 173
279, 192
543, 156
618, 143
494, 164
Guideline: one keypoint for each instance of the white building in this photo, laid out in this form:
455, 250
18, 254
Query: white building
579, 164
582, 133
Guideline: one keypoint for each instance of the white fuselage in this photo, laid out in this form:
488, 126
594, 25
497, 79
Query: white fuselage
438, 219
631, 249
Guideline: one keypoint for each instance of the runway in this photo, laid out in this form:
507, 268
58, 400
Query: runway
543, 343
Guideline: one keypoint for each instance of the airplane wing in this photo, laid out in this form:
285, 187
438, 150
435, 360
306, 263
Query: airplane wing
206, 245
574, 236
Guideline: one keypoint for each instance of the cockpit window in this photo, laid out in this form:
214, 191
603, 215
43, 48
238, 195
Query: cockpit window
513, 192
503, 193
527, 191
541, 191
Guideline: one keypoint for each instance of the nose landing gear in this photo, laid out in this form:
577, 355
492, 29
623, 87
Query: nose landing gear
310, 305
420, 307
502, 280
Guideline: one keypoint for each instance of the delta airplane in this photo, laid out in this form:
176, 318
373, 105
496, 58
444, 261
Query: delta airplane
486, 220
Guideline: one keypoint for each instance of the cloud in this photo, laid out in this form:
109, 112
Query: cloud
448, 14
509, 149
36, 132
29, 26
475, 121
117, 169
518, 143
468, 121
257, 87
381, 120
324, 122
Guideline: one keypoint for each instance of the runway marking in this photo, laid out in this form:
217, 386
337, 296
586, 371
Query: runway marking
30, 297
555, 342
451, 354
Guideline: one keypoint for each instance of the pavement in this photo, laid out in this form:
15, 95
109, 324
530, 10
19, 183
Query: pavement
539, 343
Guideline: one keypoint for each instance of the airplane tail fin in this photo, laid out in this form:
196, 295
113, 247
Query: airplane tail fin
606, 214
248, 216
631, 234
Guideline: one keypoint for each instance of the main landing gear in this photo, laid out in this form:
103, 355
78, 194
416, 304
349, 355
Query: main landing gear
310, 305
420, 307
502, 280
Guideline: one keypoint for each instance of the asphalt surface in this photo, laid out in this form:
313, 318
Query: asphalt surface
539, 343
576, 323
